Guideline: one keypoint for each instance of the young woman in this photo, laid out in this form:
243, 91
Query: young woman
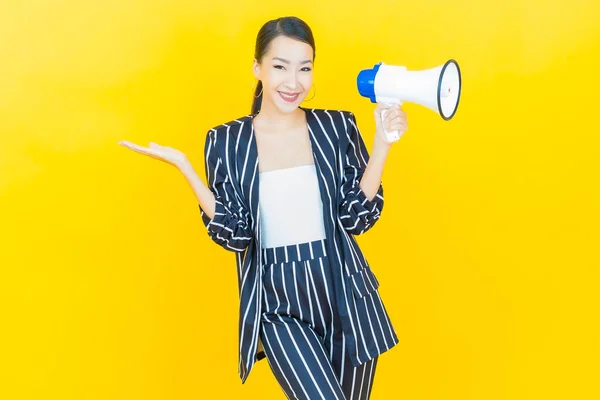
287, 190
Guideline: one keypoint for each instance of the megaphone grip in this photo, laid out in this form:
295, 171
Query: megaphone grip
391, 136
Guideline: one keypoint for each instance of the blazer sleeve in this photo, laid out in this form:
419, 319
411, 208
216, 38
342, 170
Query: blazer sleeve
357, 213
230, 226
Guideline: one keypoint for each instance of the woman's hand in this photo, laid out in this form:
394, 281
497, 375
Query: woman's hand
395, 120
162, 153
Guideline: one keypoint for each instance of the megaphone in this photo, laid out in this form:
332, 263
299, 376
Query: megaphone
437, 88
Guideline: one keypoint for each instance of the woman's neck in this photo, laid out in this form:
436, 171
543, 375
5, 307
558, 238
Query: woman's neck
275, 119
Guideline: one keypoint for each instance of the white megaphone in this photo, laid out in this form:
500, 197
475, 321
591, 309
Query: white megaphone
437, 88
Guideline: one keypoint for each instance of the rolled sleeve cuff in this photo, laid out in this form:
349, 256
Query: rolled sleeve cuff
219, 211
370, 204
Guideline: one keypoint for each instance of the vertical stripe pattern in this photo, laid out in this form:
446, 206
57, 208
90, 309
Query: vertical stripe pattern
340, 155
303, 339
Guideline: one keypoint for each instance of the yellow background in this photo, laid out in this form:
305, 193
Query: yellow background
487, 252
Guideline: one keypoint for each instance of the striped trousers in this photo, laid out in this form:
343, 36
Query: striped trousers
300, 331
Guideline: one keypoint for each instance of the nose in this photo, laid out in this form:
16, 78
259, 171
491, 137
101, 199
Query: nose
292, 81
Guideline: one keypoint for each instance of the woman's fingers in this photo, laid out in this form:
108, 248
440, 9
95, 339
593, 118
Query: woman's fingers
140, 149
396, 120
390, 118
133, 146
395, 113
162, 153
394, 123
130, 145
391, 112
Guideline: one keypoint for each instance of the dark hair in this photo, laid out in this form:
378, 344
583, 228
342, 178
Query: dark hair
291, 27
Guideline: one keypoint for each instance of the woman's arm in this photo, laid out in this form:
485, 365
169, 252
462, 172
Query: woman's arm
204, 196
362, 190
371, 179
227, 220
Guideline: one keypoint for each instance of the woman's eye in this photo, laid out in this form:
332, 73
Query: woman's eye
306, 69
279, 66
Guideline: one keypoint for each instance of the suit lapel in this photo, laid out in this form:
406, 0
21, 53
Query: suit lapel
315, 132
247, 163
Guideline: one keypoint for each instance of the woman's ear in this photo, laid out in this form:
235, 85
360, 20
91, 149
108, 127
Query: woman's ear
256, 69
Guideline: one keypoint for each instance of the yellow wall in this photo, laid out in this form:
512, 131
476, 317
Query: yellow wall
107, 276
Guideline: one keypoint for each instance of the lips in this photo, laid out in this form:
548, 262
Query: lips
289, 97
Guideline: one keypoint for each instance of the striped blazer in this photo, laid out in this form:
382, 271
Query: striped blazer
340, 156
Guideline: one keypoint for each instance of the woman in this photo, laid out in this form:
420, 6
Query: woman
308, 298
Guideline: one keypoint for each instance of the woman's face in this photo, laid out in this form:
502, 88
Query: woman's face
286, 73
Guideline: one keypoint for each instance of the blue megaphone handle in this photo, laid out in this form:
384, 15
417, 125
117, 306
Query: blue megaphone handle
366, 82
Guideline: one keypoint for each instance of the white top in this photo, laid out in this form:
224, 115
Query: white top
291, 210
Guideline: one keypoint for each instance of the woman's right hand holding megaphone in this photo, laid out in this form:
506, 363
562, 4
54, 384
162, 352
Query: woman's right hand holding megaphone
390, 118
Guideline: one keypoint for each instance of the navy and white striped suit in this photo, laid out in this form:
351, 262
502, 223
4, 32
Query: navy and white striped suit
340, 156
301, 331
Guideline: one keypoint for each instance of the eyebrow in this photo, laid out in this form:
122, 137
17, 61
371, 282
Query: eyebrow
287, 62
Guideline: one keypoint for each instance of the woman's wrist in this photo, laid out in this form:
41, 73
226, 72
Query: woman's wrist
185, 167
380, 148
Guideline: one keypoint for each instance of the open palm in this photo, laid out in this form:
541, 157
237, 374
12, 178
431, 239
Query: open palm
167, 154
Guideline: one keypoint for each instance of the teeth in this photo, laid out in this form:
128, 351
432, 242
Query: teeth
289, 96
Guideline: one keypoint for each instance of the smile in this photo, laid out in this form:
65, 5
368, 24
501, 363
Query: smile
290, 97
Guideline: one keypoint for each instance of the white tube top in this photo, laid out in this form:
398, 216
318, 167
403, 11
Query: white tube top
291, 210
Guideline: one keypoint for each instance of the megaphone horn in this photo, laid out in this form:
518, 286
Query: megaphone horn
436, 88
